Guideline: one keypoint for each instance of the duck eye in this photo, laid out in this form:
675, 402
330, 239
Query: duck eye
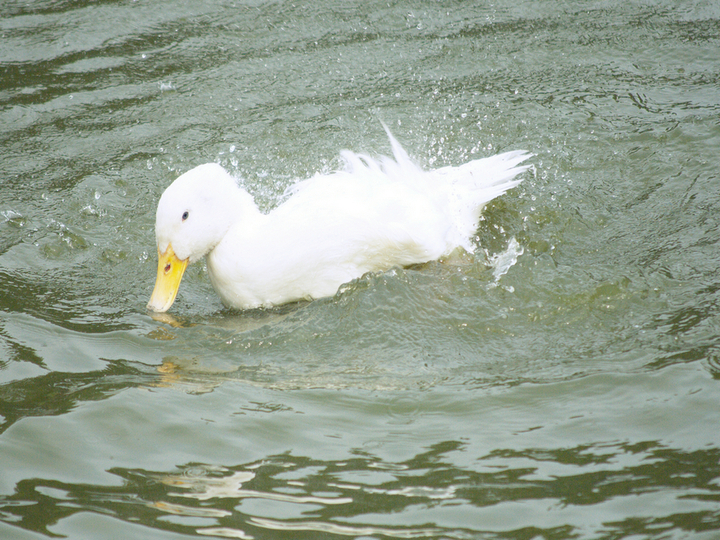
185, 215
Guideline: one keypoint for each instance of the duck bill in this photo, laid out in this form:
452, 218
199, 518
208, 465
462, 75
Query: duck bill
169, 274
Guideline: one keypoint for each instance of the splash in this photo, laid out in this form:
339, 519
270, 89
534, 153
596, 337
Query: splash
502, 262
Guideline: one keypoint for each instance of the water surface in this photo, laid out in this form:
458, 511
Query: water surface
560, 382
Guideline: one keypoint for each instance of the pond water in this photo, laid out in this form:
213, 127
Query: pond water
560, 382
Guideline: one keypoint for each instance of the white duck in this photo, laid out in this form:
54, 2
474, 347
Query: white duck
372, 216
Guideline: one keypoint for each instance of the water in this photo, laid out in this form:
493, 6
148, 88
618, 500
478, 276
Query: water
560, 382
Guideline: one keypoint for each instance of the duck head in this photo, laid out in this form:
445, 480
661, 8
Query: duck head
193, 215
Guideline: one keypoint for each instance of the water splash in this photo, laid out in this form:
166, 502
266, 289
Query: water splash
502, 262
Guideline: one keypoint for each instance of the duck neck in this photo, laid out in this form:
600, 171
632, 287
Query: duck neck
236, 208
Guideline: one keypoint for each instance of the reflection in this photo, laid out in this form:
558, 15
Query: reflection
181, 510
170, 320
224, 532
344, 530
182, 374
56, 393
413, 498
204, 488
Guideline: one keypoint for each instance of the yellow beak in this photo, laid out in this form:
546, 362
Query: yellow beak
169, 274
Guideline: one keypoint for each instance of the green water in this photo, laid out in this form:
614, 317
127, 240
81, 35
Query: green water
574, 396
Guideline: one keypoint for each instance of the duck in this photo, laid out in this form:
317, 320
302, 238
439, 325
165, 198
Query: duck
372, 215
